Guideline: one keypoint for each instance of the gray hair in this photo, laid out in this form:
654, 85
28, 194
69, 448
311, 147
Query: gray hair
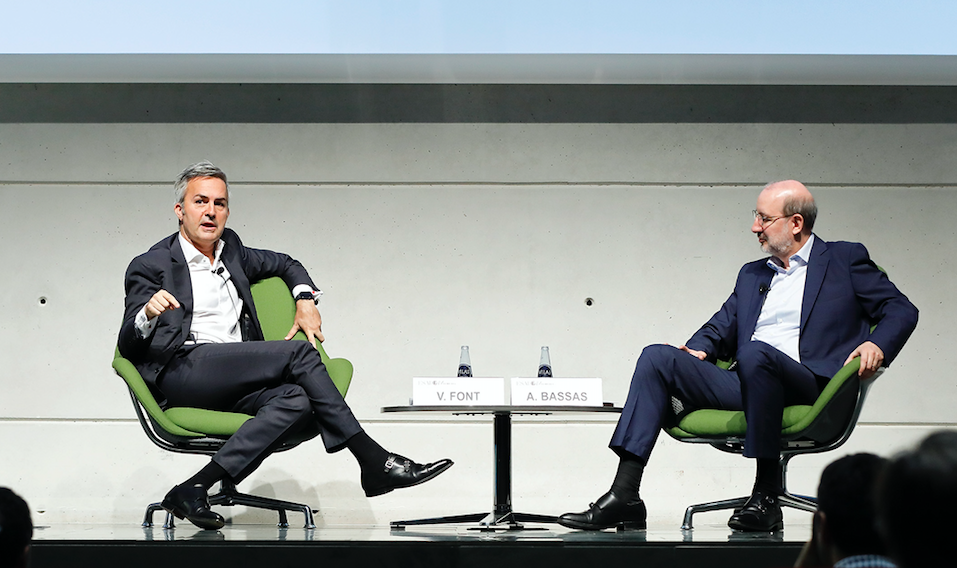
807, 208
197, 170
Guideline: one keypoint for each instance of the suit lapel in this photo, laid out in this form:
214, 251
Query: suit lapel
249, 318
182, 284
236, 272
756, 298
816, 269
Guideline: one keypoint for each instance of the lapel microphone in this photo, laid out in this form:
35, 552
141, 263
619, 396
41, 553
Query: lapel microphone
219, 272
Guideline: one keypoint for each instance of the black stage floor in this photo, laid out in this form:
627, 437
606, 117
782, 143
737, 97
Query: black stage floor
714, 546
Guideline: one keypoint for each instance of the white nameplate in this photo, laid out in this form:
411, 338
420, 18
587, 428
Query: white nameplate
556, 392
432, 391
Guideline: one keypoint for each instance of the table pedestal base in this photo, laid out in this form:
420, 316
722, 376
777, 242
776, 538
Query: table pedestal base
510, 521
502, 517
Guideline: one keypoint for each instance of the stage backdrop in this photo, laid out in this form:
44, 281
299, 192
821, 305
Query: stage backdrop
594, 239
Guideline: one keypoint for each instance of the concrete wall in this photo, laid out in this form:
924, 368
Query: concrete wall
428, 236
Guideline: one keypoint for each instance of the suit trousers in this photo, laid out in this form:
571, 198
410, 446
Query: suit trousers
283, 384
764, 382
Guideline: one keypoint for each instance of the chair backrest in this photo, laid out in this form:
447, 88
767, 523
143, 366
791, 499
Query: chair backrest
834, 408
276, 309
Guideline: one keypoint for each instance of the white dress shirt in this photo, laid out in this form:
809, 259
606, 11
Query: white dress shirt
779, 323
216, 304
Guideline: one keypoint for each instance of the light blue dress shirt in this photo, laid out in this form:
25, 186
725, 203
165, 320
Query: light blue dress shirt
779, 323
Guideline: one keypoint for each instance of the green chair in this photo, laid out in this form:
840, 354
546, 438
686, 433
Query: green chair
820, 427
200, 431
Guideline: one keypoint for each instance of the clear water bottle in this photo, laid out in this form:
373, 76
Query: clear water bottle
465, 364
545, 364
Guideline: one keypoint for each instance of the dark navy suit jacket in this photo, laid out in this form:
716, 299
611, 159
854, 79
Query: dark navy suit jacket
844, 295
164, 266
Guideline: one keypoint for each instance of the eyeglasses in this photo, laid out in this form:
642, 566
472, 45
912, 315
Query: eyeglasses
767, 221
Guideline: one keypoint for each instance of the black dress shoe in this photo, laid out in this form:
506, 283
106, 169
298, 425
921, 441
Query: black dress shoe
399, 472
761, 513
609, 511
192, 504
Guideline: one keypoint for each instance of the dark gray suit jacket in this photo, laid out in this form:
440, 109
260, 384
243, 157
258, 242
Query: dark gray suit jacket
164, 266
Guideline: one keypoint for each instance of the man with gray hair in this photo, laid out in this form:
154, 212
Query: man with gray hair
792, 321
191, 329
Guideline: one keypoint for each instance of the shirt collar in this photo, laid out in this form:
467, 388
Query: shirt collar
194, 257
800, 258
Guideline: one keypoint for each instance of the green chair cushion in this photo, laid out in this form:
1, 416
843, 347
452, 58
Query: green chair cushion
210, 422
713, 423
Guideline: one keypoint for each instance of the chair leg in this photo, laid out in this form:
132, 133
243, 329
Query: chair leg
713, 506
799, 502
148, 518
228, 496
788, 499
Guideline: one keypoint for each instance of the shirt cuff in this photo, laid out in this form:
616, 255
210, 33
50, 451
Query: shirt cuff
300, 288
144, 326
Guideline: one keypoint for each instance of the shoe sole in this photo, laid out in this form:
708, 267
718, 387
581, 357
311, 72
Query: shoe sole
744, 527
624, 525
179, 514
383, 490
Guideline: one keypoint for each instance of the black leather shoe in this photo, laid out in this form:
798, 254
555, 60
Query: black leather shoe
399, 472
192, 504
761, 513
609, 511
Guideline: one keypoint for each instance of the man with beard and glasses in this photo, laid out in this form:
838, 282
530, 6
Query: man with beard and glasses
792, 321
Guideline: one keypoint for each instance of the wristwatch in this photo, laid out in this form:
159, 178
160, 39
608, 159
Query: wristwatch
305, 296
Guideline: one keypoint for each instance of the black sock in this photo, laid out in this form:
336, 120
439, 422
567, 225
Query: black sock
367, 452
207, 476
628, 478
768, 476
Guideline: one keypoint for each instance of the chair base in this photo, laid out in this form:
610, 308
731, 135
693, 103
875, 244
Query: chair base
785, 497
229, 496
800, 502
